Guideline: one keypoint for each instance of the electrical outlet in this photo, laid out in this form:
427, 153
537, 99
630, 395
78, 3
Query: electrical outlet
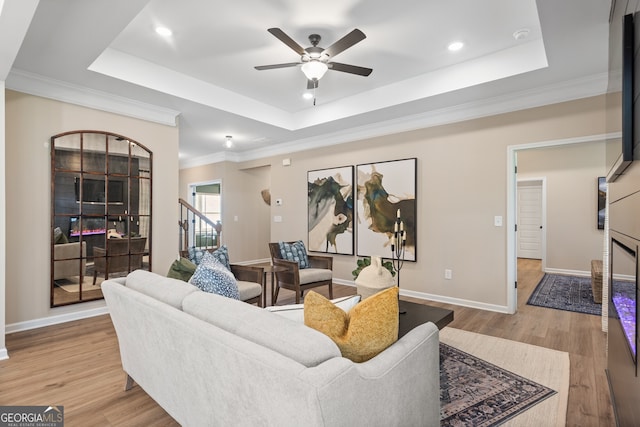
447, 274
277, 218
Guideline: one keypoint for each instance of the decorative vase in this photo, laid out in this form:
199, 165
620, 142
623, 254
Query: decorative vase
373, 279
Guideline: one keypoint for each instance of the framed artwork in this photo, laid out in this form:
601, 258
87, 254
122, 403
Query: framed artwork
385, 190
602, 201
330, 210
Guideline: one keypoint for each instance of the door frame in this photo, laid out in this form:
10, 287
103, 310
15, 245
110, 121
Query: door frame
543, 218
512, 150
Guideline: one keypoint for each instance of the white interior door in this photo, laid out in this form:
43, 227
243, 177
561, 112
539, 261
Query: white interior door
529, 219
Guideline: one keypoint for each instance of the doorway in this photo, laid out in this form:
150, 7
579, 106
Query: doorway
512, 213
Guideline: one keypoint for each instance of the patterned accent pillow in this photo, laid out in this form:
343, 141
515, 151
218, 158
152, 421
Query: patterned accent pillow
196, 254
222, 255
295, 252
212, 276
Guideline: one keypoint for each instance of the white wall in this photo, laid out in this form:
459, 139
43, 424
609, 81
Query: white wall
31, 121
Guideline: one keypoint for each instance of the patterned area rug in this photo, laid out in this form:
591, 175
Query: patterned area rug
474, 392
569, 293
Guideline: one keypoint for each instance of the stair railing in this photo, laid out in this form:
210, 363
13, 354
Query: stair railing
196, 231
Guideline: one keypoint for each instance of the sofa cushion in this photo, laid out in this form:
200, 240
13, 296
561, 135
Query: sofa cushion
368, 329
212, 276
296, 311
295, 252
165, 289
181, 269
291, 339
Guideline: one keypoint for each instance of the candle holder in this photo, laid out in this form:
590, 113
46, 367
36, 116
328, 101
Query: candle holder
398, 243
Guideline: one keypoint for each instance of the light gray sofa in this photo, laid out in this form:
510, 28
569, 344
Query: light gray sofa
213, 361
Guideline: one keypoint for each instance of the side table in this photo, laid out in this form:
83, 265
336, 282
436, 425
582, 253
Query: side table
270, 269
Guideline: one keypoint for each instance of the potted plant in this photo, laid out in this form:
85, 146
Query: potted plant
366, 261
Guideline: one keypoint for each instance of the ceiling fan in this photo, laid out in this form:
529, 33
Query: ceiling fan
316, 60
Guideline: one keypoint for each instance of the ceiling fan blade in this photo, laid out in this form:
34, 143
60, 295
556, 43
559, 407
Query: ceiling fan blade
352, 69
346, 42
273, 66
312, 84
280, 35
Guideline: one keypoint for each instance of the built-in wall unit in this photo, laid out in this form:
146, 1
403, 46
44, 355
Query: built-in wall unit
624, 210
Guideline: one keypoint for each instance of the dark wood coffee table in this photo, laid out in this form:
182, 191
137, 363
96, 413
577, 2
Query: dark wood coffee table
417, 314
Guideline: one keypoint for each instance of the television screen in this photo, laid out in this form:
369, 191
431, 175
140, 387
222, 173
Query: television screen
93, 191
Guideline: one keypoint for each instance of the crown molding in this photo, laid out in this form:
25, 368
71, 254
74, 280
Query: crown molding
552, 94
34, 84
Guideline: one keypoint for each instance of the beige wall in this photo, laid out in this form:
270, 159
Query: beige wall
571, 173
462, 185
31, 121
245, 216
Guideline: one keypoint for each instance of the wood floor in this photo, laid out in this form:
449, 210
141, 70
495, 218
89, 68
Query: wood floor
77, 364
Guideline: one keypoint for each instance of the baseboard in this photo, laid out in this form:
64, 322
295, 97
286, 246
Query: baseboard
54, 320
579, 273
439, 298
4, 355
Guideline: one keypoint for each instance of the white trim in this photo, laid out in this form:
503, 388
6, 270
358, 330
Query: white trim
512, 259
4, 355
566, 91
565, 272
34, 84
54, 320
439, 298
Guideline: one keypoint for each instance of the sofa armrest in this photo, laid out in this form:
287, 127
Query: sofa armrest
402, 383
247, 273
321, 261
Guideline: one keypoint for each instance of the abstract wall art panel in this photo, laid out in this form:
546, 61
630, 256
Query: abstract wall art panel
384, 189
330, 210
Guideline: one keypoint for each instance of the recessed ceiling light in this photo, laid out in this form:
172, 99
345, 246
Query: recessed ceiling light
455, 46
521, 34
164, 31
307, 95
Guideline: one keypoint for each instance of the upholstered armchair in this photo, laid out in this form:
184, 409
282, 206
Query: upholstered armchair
118, 257
68, 261
319, 273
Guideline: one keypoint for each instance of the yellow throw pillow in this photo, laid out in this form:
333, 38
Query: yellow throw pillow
369, 327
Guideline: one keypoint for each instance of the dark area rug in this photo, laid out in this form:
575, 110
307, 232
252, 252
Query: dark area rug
569, 293
474, 392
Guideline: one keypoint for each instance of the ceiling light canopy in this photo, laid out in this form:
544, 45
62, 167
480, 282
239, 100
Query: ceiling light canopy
228, 141
314, 70
164, 31
455, 46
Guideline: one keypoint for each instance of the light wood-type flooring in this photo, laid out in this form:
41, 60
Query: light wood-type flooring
77, 364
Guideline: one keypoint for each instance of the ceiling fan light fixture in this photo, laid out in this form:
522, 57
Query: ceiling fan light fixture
307, 95
314, 70
228, 141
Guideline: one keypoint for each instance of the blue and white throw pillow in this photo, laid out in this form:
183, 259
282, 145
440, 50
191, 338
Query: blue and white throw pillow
295, 252
222, 255
212, 276
196, 254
